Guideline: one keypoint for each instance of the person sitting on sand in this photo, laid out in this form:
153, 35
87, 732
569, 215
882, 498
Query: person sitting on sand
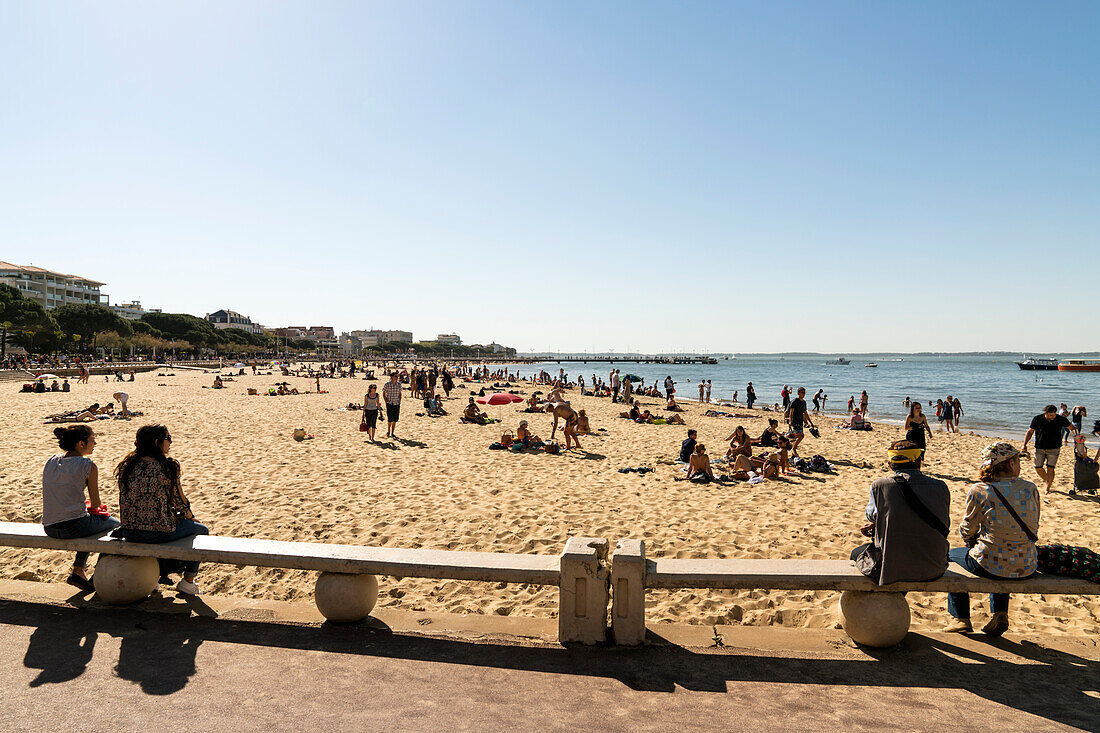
525, 436
434, 408
583, 426
673, 406
699, 465
218, 384
740, 444
633, 413
533, 403
473, 413
769, 438
908, 517
745, 468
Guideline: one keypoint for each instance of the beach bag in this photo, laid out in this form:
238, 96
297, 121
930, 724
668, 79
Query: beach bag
1086, 475
553, 448
1072, 562
818, 463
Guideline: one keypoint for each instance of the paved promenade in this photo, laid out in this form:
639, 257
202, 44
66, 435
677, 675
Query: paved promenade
273, 667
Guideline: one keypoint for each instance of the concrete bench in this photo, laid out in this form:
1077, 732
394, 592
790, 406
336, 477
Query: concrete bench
871, 614
347, 588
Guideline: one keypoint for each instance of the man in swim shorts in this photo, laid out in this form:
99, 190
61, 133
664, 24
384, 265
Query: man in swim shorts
1047, 429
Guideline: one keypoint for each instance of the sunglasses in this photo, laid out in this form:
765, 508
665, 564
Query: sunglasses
168, 438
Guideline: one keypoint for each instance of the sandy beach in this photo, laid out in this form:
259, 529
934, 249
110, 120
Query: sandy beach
439, 486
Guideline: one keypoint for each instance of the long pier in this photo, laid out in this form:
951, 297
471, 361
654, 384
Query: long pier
625, 359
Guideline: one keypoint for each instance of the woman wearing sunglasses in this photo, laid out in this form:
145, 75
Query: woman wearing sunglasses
152, 506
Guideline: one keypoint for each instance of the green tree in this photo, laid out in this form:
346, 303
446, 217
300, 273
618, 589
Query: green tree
88, 320
22, 316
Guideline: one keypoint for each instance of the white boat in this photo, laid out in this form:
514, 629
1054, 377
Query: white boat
871, 365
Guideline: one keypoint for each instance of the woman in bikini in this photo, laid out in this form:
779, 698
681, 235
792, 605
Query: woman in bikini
916, 425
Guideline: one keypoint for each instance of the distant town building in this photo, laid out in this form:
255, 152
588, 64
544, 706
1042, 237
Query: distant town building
132, 311
51, 289
496, 348
448, 339
232, 319
356, 341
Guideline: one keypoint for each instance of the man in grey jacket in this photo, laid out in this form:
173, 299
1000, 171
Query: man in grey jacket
909, 516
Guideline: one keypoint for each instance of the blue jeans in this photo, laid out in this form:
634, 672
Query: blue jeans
85, 526
958, 604
185, 528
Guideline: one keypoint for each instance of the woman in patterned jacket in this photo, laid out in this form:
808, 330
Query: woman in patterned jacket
152, 506
999, 529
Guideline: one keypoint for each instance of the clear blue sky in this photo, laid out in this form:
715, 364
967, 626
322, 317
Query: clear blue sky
842, 176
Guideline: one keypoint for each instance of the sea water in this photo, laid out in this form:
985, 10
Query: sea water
998, 398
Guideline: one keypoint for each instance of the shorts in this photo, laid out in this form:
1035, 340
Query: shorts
1048, 456
372, 418
392, 411
796, 431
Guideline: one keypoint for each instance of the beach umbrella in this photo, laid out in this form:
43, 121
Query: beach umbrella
238, 364
633, 377
499, 399
41, 377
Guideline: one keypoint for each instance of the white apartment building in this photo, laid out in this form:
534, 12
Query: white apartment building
375, 337
131, 311
226, 318
51, 289
448, 339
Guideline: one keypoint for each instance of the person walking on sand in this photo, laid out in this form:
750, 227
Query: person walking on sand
750, 395
371, 407
1047, 429
798, 417
615, 384
947, 417
785, 393
670, 387
391, 395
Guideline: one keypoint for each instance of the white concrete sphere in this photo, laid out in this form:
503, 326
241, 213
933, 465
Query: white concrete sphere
346, 597
874, 618
119, 579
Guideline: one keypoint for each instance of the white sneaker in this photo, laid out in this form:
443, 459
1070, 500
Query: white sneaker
189, 587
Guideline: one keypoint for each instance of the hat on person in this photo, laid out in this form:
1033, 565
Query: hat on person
995, 453
904, 453
522, 422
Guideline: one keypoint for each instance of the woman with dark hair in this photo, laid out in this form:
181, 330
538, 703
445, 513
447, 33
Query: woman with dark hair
740, 444
152, 506
769, 438
64, 513
916, 424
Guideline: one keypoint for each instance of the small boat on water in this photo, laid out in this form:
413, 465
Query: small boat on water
1079, 365
839, 361
871, 365
1032, 364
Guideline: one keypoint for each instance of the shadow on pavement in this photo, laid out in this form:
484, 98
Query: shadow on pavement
158, 652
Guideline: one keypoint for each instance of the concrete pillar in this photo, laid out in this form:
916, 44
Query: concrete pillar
582, 593
874, 618
345, 597
121, 579
628, 592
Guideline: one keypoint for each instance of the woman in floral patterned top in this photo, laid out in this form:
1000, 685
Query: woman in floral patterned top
997, 545
152, 506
